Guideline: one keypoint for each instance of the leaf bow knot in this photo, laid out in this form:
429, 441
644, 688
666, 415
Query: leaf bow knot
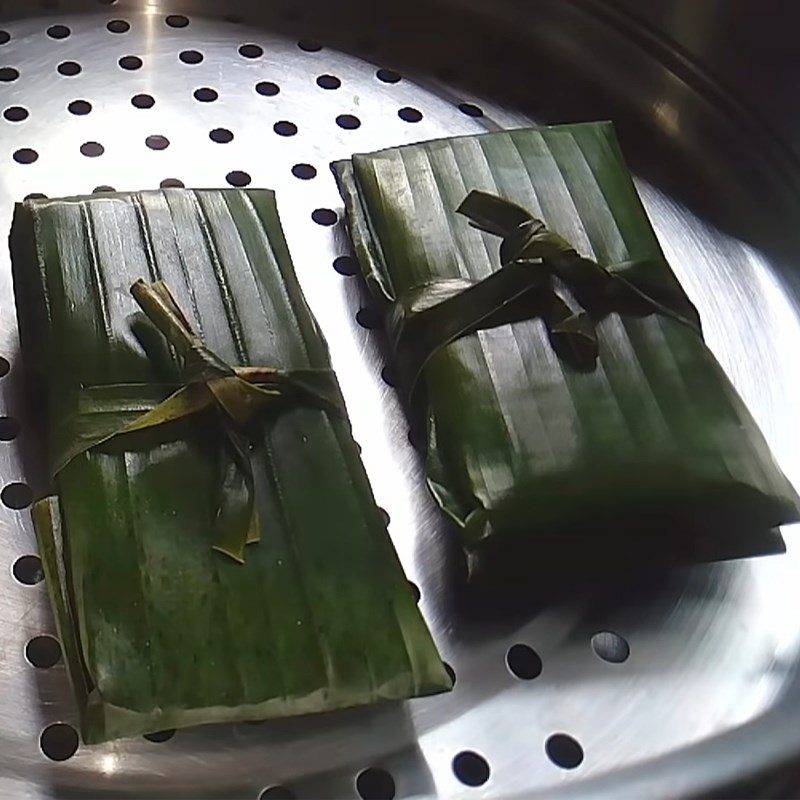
541, 276
237, 399
574, 291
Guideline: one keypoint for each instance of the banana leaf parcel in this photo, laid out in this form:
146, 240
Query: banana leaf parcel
212, 548
548, 355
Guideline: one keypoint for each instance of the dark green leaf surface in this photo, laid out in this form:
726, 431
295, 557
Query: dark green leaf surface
653, 441
159, 630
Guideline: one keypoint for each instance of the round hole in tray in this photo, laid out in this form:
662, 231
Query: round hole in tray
238, 178
415, 591
471, 768
387, 75
143, 101
25, 155
285, 128
470, 109
416, 438
176, 21
130, 62
15, 113
92, 149
157, 142
251, 51
409, 114
611, 647
220, 135
190, 56
58, 31
104, 188
160, 736
388, 375
5, 37
205, 94
31, 196
328, 82
118, 26
59, 741
375, 784
8, 74
28, 570
368, 318
524, 662
267, 88
277, 793
450, 672
16, 495
43, 651
348, 121
324, 216
79, 107
9, 429
304, 171
172, 183
69, 68
345, 265
563, 751
309, 45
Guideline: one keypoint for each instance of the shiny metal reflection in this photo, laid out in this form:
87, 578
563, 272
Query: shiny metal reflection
713, 649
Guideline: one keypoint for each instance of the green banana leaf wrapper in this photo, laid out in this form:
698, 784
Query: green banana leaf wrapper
649, 448
158, 629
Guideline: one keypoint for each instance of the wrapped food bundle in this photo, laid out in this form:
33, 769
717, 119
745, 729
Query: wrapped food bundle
212, 548
549, 354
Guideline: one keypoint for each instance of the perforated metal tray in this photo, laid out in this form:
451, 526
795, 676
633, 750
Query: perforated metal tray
620, 684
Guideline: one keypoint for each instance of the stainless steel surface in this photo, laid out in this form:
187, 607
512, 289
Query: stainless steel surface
708, 692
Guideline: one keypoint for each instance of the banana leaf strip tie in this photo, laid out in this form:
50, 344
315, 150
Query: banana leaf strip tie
236, 398
570, 291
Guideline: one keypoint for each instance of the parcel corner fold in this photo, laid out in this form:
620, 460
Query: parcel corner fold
652, 443
159, 630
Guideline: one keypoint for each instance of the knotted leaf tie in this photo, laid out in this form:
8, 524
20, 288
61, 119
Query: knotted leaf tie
541, 275
237, 399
